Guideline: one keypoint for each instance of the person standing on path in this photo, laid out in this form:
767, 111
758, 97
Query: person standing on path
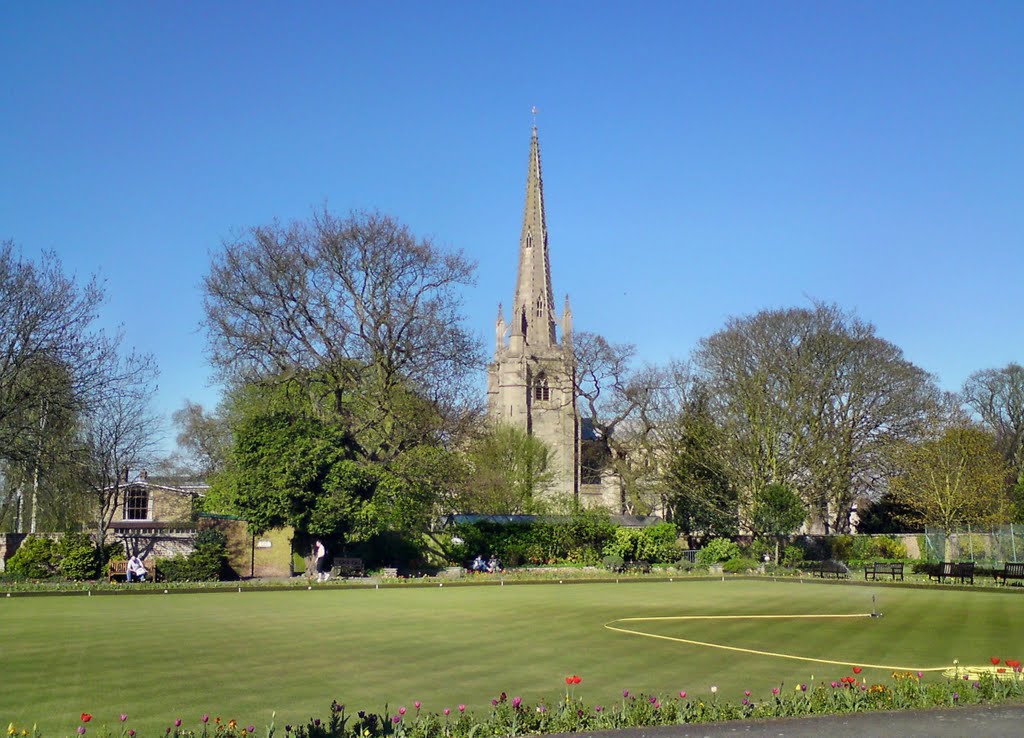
320, 561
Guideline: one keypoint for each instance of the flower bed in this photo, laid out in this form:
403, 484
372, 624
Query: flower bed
570, 712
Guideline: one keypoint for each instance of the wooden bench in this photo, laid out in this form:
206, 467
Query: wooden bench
882, 568
348, 567
831, 568
119, 568
961, 570
1011, 570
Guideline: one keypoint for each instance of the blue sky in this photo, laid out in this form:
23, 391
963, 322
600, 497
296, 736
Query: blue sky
701, 159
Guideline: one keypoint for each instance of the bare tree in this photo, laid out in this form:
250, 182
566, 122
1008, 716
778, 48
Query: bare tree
53, 368
119, 433
45, 321
997, 396
204, 437
618, 402
346, 306
810, 398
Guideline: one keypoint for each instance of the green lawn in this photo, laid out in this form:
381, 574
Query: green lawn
243, 655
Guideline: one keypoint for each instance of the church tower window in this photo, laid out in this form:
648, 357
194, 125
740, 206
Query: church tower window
541, 391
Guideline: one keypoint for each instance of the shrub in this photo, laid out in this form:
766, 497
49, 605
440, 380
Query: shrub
174, 569
613, 562
716, 551
658, 543
207, 563
80, 563
76, 557
623, 544
866, 548
579, 538
36, 558
889, 548
759, 547
741, 565
211, 537
792, 556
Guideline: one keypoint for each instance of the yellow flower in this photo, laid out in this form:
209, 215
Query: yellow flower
11, 730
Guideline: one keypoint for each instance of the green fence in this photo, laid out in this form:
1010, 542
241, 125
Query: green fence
984, 545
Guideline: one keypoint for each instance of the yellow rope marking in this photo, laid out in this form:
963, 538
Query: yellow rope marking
612, 626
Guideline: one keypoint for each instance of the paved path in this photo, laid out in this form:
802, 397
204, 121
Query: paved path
974, 722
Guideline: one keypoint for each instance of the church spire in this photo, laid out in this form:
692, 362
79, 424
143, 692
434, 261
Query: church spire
533, 298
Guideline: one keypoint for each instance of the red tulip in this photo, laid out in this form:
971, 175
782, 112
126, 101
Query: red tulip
568, 680
857, 670
86, 717
576, 679
995, 661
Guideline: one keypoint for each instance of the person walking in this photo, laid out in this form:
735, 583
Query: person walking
320, 561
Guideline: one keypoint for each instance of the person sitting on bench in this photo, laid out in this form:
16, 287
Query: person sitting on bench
135, 569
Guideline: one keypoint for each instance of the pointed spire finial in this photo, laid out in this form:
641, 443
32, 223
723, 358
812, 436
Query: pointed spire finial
534, 111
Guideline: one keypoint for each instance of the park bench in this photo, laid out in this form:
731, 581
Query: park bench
880, 568
348, 567
1011, 570
118, 568
961, 570
831, 568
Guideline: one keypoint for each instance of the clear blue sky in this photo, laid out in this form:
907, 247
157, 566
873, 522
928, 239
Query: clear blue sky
701, 159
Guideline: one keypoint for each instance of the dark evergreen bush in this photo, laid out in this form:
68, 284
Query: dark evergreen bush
36, 558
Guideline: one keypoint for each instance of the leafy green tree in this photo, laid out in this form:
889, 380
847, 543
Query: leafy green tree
777, 511
953, 480
510, 473
288, 468
699, 494
416, 487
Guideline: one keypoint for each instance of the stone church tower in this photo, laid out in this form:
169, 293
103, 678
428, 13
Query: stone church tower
531, 382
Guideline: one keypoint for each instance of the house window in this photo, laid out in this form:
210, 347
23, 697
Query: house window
136, 504
540, 389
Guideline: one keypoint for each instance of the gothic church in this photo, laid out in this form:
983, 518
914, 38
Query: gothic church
531, 382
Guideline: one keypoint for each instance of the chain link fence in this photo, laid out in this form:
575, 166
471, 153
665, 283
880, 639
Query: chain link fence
987, 546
